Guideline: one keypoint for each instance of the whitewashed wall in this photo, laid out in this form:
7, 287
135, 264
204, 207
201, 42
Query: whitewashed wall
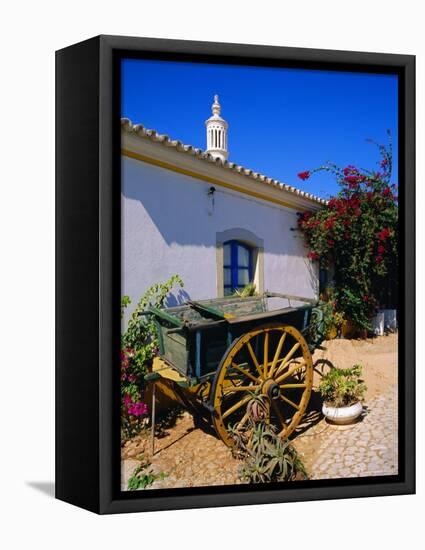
170, 224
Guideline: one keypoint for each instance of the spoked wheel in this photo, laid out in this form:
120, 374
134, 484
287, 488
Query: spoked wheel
273, 361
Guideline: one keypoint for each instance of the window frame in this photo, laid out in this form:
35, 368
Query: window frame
235, 267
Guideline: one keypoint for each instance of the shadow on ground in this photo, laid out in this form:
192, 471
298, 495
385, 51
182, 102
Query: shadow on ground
46, 487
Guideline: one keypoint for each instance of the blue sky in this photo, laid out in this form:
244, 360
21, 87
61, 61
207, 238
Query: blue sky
281, 121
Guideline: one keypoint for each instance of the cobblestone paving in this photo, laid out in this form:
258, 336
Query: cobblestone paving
367, 448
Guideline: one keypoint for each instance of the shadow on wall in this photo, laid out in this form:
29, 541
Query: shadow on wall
313, 271
177, 299
183, 212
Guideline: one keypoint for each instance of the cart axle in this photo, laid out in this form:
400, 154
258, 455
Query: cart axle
271, 389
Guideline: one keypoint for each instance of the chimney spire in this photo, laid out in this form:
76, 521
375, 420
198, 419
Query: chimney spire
217, 133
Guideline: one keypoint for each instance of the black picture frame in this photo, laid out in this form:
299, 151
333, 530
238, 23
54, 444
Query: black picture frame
88, 273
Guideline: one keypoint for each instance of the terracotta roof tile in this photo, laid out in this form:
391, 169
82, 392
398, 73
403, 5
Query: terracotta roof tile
165, 140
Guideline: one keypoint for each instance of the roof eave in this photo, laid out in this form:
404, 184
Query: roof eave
149, 145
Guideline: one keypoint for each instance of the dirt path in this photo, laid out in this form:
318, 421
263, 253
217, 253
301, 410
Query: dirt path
378, 356
192, 457
189, 456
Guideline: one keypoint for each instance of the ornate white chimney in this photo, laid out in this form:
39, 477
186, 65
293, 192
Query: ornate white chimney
217, 133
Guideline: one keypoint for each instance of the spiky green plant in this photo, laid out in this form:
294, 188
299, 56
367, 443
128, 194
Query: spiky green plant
266, 456
249, 290
271, 458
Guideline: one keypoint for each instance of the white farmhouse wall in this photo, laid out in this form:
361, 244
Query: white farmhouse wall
170, 226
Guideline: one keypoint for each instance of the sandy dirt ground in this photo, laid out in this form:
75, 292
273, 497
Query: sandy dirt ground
378, 356
191, 456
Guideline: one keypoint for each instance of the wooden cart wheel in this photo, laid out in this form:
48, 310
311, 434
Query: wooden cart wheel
272, 360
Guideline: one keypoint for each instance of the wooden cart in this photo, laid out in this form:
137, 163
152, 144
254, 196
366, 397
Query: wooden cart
224, 351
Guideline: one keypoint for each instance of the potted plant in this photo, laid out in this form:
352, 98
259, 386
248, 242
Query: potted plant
333, 320
343, 392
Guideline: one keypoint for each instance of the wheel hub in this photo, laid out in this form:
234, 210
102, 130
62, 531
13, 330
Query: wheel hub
271, 389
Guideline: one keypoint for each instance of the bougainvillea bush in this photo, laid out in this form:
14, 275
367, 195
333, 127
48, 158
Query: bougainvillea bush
356, 233
139, 345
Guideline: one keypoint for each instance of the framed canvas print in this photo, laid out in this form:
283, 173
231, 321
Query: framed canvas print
235, 274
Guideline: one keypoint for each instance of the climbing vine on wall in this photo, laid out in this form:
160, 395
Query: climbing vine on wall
356, 233
139, 346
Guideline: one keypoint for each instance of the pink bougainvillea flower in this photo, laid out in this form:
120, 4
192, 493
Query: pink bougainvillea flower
350, 169
304, 175
386, 192
379, 259
313, 256
124, 360
353, 180
329, 223
384, 234
138, 409
127, 400
381, 249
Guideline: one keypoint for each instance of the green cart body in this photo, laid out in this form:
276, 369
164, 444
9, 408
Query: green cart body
195, 338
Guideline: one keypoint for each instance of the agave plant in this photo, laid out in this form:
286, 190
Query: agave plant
271, 458
257, 410
266, 456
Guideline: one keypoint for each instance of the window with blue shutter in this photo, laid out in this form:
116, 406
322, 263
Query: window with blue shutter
237, 266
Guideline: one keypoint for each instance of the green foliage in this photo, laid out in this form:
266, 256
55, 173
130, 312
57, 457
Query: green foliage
270, 458
331, 316
141, 329
324, 318
266, 456
314, 332
248, 290
125, 301
354, 307
139, 345
141, 479
343, 387
357, 233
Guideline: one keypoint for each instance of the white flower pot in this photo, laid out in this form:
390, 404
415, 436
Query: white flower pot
342, 415
390, 319
378, 324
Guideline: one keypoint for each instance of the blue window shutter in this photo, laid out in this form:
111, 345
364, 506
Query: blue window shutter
235, 265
